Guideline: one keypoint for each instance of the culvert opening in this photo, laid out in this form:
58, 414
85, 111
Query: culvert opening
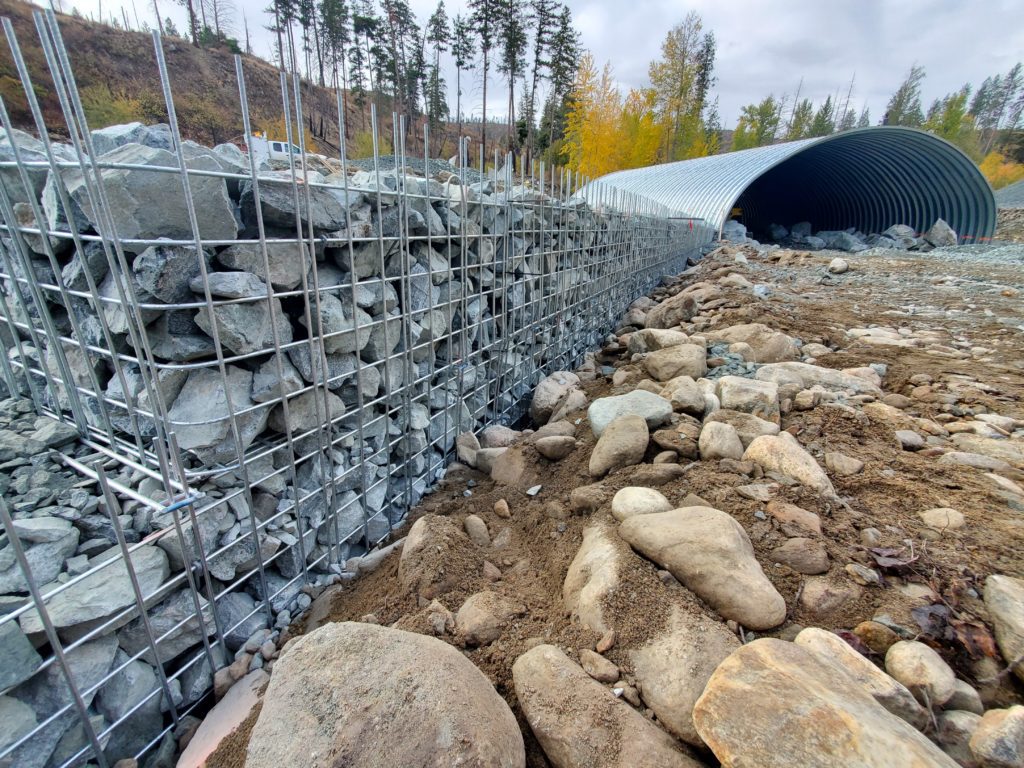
869, 178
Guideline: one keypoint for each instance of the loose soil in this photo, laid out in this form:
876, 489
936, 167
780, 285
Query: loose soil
967, 299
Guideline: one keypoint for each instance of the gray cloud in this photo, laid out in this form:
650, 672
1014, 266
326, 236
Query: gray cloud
763, 47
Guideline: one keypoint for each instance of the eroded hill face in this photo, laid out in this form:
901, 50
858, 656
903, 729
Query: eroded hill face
119, 82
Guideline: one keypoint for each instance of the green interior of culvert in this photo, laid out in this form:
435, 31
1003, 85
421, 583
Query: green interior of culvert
870, 183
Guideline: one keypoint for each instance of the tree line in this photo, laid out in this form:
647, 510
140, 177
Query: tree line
377, 51
987, 122
671, 118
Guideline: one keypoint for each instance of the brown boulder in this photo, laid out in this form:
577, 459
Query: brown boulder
364, 695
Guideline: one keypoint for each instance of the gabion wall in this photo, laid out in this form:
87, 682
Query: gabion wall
250, 374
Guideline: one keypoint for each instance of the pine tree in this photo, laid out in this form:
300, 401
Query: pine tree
824, 119
800, 120
485, 17
847, 121
438, 36
948, 118
365, 31
463, 51
402, 36
193, 22
758, 124
334, 23
904, 108
562, 67
864, 121
513, 42
544, 20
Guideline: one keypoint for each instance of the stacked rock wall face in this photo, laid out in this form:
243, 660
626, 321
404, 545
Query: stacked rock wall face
272, 365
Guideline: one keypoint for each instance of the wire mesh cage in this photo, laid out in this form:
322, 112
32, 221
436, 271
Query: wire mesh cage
266, 366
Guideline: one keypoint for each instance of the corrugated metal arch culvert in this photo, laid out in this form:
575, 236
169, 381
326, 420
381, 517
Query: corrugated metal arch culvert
868, 178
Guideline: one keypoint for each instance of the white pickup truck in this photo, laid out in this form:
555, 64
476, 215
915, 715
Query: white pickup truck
265, 150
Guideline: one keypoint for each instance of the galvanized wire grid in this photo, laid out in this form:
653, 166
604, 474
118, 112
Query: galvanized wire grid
520, 280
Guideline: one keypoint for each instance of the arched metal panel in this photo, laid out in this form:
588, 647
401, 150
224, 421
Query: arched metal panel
869, 178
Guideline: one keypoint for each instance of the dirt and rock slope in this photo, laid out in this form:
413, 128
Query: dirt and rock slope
775, 520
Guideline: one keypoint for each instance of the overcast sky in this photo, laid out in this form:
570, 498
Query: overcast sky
763, 47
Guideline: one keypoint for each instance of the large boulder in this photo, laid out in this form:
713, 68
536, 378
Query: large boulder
805, 376
550, 393
710, 553
675, 665
783, 454
840, 655
653, 339
622, 444
679, 360
758, 398
603, 411
748, 426
1004, 598
802, 716
580, 723
769, 345
366, 695
147, 205
593, 575
672, 312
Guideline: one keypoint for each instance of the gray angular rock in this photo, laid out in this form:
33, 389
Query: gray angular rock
45, 561
200, 415
174, 621
249, 326
101, 594
30, 149
16, 721
20, 659
342, 329
167, 271
241, 617
230, 285
147, 205
288, 262
175, 336
268, 384
326, 208
48, 692
940, 235
306, 412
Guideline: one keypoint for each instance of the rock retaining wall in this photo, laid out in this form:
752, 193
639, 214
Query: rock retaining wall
296, 351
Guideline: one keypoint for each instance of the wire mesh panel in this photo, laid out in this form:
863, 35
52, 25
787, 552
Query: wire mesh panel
267, 364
